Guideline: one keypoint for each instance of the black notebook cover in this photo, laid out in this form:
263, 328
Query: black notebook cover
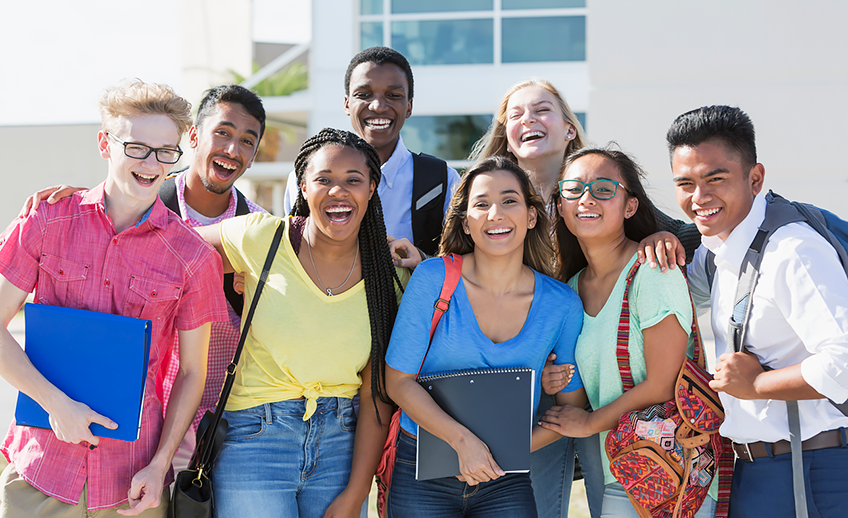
496, 405
96, 358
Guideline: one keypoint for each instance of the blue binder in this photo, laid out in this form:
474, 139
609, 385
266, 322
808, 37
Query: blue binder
95, 358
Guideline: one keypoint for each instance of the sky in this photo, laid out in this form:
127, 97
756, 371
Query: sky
59, 55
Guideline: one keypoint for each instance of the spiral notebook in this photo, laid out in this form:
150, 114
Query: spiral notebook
96, 358
495, 404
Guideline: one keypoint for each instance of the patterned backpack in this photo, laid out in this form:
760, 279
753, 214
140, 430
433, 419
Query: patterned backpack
667, 455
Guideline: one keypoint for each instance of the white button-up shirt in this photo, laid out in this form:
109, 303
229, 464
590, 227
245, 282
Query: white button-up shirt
799, 314
395, 192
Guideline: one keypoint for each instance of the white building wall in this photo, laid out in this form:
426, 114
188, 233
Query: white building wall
785, 63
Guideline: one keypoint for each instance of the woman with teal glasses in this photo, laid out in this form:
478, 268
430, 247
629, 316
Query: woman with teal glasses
602, 215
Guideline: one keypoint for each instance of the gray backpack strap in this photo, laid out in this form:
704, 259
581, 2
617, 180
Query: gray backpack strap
798, 487
779, 212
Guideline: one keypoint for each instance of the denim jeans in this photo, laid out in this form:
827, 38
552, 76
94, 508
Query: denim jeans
510, 496
552, 471
617, 505
275, 464
764, 487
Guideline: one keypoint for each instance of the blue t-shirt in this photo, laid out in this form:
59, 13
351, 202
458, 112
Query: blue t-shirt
553, 323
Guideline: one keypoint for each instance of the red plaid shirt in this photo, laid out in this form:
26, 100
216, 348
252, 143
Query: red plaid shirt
225, 335
158, 270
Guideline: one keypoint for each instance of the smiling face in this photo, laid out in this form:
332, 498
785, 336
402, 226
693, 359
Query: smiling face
535, 127
133, 178
713, 187
337, 186
587, 217
378, 104
497, 216
224, 145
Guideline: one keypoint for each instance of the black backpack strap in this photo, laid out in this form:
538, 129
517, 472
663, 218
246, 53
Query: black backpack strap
168, 194
429, 188
241, 204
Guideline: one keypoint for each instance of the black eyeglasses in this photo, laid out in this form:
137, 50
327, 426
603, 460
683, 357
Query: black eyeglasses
140, 151
599, 189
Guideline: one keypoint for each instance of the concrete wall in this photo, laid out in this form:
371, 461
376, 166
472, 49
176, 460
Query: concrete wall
785, 63
53, 155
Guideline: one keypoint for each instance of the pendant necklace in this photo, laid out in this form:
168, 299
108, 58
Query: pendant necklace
330, 290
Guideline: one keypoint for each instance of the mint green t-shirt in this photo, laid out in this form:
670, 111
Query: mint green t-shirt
653, 296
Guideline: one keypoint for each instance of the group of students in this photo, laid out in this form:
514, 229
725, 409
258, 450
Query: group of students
547, 230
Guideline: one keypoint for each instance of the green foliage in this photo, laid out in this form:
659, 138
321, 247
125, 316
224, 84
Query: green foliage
290, 79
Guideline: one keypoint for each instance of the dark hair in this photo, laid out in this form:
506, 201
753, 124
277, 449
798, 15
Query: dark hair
727, 124
640, 225
380, 56
378, 271
538, 250
235, 94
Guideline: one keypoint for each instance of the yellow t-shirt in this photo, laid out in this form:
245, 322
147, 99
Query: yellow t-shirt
301, 343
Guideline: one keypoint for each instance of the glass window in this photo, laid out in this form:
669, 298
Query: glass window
445, 42
553, 38
448, 137
581, 116
371, 35
430, 6
541, 4
370, 6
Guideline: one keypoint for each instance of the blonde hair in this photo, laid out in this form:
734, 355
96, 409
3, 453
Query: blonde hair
494, 142
134, 98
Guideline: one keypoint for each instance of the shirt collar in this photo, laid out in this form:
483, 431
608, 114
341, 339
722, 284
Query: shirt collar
395, 162
180, 184
157, 214
730, 253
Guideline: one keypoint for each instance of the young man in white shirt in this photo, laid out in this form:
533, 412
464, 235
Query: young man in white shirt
797, 336
378, 100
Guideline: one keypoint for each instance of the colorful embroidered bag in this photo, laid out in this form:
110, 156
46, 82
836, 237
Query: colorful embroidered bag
666, 455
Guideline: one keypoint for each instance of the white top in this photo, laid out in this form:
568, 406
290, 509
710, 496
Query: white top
799, 314
395, 192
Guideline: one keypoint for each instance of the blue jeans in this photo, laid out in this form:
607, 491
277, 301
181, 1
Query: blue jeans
552, 471
617, 505
764, 487
510, 496
275, 464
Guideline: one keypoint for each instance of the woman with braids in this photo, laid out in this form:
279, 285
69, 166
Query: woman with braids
294, 446
501, 315
602, 215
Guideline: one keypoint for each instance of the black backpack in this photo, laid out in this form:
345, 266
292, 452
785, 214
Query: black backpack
168, 194
429, 188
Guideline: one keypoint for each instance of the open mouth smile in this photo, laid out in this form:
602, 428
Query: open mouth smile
224, 168
378, 124
706, 213
145, 179
587, 215
339, 213
532, 135
498, 232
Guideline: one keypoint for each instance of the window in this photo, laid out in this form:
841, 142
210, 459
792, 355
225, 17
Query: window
461, 32
444, 42
554, 38
448, 137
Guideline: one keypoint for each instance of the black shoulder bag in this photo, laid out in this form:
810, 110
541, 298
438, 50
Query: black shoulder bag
192, 496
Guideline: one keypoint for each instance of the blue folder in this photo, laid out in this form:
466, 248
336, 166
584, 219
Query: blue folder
95, 358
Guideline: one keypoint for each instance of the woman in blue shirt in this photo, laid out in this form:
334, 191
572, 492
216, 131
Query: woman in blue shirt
501, 315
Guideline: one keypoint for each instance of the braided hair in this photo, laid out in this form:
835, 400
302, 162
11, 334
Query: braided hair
378, 271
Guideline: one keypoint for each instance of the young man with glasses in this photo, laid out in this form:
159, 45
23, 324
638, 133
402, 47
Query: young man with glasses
797, 333
124, 253
225, 137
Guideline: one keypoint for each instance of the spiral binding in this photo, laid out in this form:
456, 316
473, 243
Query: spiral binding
473, 372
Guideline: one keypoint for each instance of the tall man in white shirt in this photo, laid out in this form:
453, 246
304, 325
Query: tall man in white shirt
378, 99
798, 326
